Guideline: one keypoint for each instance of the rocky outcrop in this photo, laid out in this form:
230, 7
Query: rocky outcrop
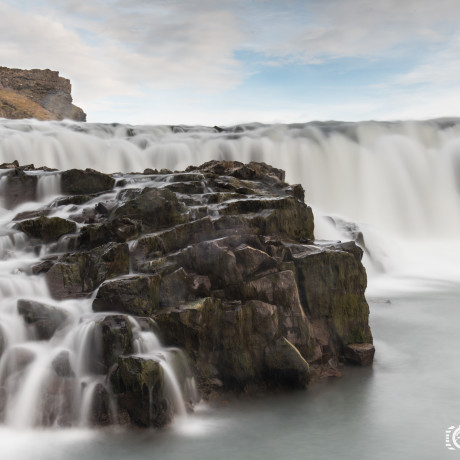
40, 94
222, 260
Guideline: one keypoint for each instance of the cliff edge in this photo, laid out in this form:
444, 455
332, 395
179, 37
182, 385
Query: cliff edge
35, 93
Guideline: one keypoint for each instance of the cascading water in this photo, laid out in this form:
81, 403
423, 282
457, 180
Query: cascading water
53, 382
399, 182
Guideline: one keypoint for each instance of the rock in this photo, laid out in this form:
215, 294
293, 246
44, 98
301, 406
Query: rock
99, 413
35, 93
47, 229
360, 353
44, 319
119, 230
155, 208
332, 285
20, 188
89, 181
175, 288
61, 365
79, 273
2, 341
285, 364
115, 336
13, 165
139, 387
136, 295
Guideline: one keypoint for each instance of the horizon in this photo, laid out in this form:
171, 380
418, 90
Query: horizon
196, 62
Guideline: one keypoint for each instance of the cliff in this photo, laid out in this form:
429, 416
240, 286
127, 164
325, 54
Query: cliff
40, 94
220, 261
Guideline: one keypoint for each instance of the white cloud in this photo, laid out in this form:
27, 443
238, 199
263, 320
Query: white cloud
114, 48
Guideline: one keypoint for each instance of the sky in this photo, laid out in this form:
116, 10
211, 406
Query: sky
232, 61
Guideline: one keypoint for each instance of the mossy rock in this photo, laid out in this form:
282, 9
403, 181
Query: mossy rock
136, 295
85, 182
139, 388
47, 229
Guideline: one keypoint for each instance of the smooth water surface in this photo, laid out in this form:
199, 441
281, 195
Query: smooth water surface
398, 409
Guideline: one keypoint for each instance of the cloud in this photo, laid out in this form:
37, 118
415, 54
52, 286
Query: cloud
114, 48
316, 31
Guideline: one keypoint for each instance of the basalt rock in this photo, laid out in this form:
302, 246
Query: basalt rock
139, 388
47, 229
223, 258
89, 181
43, 319
80, 273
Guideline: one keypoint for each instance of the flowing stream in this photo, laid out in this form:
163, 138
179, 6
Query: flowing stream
396, 183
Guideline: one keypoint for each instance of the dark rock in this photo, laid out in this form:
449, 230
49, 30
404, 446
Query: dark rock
139, 387
61, 365
137, 295
20, 188
89, 181
119, 230
32, 214
285, 364
116, 338
332, 285
155, 208
99, 413
13, 165
360, 353
80, 273
47, 229
44, 319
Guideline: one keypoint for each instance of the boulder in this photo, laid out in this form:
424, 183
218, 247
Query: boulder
79, 273
285, 365
61, 365
44, 319
154, 208
138, 385
46, 229
332, 285
20, 188
87, 182
136, 295
360, 353
114, 337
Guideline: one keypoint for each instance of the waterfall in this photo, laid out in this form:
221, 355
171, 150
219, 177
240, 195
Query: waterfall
397, 184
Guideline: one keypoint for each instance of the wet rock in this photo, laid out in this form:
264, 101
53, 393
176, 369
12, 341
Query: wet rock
47, 229
20, 188
175, 288
285, 364
360, 353
114, 332
99, 413
155, 208
44, 319
78, 274
61, 365
2, 341
87, 182
119, 230
136, 295
13, 165
139, 388
331, 285
32, 214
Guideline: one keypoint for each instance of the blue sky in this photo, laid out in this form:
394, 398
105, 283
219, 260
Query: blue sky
235, 61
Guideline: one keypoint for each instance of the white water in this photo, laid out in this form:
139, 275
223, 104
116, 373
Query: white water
399, 182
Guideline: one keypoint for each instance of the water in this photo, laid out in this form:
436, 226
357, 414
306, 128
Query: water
399, 182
